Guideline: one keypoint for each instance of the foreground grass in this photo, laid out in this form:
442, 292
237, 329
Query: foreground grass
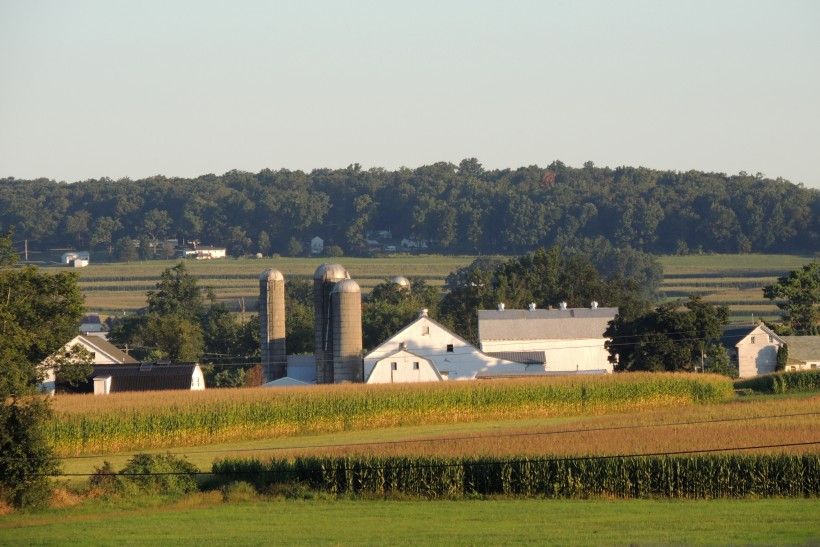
204, 519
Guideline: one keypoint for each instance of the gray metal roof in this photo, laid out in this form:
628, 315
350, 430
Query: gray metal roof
569, 324
523, 357
107, 347
803, 348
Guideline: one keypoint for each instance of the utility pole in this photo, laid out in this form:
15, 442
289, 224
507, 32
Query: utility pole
25, 249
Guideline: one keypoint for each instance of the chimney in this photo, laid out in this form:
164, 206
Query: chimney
423, 313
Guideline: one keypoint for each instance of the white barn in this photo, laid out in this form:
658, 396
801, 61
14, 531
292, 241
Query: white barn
424, 350
564, 340
102, 352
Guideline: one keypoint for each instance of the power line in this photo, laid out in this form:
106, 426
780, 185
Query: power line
434, 465
475, 437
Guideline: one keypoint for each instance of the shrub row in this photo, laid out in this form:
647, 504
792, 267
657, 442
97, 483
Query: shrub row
783, 382
712, 476
220, 415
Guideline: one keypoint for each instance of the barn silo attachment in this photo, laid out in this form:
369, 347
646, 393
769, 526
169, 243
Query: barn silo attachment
324, 279
347, 331
272, 325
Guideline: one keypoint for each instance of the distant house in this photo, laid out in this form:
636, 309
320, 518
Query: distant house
425, 350
92, 325
804, 352
147, 377
102, 352
564, 340
317, 246
76, 259
202, 252
753, 348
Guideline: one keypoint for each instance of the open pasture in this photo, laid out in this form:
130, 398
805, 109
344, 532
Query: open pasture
205, 519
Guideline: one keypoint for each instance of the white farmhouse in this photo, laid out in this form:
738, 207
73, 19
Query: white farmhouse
753, 348
804, 352
102, 352
426, 351
564, 340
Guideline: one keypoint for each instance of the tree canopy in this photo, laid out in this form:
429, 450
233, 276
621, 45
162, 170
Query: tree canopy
453, 208
798, 294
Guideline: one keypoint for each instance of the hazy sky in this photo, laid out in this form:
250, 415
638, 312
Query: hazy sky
138, 88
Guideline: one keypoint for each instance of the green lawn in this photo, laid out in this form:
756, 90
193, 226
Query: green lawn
204, 520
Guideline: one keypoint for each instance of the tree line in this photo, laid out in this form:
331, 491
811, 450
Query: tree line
453, 208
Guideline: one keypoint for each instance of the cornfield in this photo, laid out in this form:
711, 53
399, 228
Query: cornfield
714, 476
86, 424
783, 382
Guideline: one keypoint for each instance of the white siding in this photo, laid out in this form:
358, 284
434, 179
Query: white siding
757, 353
403, 367
561, 355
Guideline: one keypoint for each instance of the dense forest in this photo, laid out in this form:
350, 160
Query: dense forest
452, 208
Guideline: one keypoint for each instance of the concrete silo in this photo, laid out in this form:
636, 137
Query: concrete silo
324, 279
347, 331
272, 325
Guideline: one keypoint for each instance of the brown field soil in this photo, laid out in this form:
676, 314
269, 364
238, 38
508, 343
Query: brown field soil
754, 422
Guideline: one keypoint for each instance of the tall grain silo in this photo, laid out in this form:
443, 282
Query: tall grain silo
324, 279
346, 308
272, 325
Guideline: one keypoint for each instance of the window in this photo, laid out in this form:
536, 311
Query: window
449, 348
753, 339
425, 330
394, 366
771, 339
415, 365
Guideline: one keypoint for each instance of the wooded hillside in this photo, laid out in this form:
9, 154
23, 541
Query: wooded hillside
456, 208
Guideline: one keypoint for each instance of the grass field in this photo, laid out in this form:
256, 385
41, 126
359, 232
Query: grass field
205, 520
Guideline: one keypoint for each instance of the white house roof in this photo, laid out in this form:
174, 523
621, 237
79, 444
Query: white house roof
102, 347
572, 323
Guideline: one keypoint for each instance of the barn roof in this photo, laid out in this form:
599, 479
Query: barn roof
523, 357
572, 323
107, 347
803, 348
147, 376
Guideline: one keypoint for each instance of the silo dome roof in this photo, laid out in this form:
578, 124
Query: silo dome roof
348, 285
271, 275
331, 272
400, 280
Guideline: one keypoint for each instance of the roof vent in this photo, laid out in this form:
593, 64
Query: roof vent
531, 306
402, 345
501, 306
562, 305
594, 305
423, 313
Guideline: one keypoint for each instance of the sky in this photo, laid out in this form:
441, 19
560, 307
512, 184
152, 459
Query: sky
117, 88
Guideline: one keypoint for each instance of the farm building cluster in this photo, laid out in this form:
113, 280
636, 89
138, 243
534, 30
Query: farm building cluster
512, 343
